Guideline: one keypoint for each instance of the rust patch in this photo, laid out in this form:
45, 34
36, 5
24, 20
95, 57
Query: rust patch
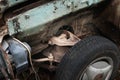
99, 77
16, 24
52, 28
112, 13
109, 21
3, 32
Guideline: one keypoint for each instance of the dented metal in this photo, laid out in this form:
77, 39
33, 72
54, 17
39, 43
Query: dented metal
35, 20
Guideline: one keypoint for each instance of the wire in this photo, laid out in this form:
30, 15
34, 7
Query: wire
29, 52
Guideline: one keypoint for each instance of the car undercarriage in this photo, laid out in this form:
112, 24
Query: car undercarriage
36, 35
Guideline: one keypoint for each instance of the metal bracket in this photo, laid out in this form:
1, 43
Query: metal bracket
65, 39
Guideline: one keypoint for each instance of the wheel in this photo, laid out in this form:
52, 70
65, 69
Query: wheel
93, 58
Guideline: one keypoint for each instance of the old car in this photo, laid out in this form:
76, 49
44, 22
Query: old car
59, 39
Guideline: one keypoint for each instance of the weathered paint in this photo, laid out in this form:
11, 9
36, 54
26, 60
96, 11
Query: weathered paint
14, 2
34, 21
4, 4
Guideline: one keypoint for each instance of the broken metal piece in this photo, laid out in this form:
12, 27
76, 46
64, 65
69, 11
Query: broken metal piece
65, 39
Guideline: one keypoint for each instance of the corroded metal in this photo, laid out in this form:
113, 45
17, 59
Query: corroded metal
112, 13
35, 20
4, 4
3, 32
57, 51
65, 39
59, 45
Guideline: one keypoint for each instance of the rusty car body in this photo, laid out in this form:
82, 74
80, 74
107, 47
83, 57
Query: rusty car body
36, 34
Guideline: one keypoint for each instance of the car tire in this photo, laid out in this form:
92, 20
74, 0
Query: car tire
85, 54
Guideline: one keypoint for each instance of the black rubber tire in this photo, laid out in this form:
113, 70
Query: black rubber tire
83, 53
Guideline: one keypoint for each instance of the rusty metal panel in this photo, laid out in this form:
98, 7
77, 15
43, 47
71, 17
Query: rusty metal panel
4, 4
34, 21
14, 2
